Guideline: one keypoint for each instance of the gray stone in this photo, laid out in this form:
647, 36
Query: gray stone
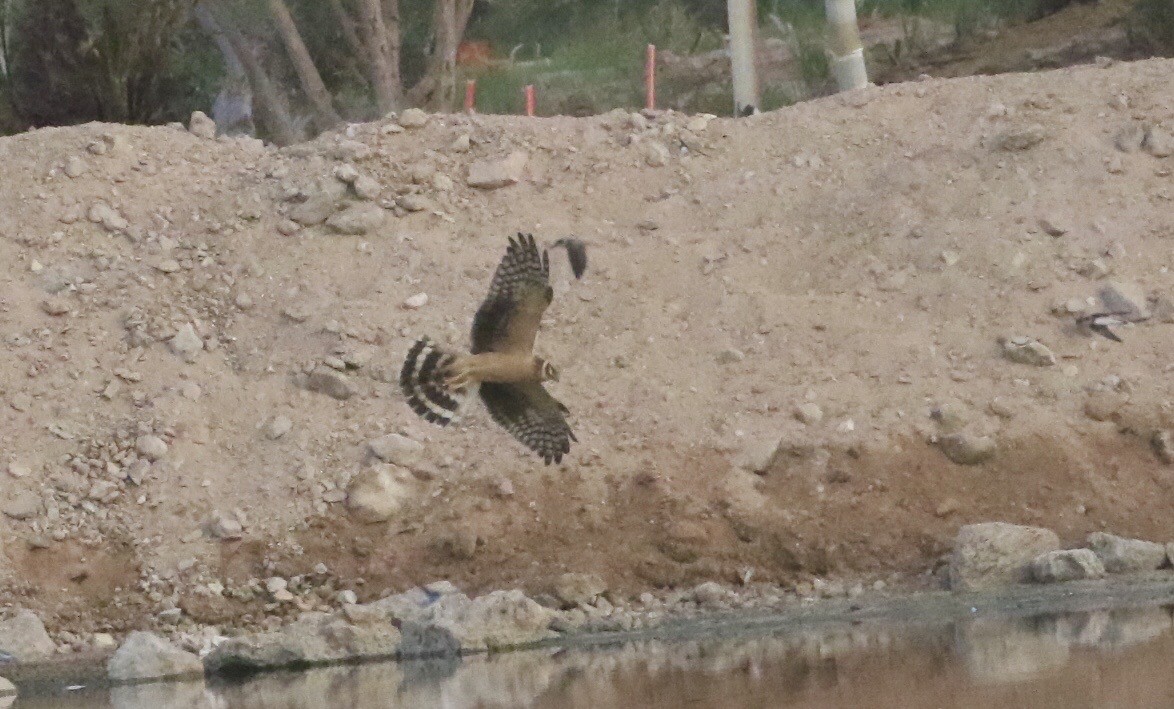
396, 449
1159, 142
415, 203
316, 209
147, 656
495, 174
346, 173
74, 166
357, 219
22, 504
1054, 225
1122, 555
186, 342
313, 639
655, 154
1130, 137
201, 126
994, 554
966, 448
413, 118
224, 527
710, 594
498, 620
24, 637
757, 456
574, 589
1067, 565
277, 427
1017, 139
809, 413
108, 217
325, 380
1025, 350
151, 447
376, 495
7, 689
367, 188
1163, 444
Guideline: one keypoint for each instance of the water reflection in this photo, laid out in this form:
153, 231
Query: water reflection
1115, 658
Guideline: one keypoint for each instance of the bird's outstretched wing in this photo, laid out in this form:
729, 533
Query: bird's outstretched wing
508, 319
532, 416
1102, 324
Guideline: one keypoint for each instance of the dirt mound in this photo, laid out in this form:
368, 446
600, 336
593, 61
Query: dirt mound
782, 315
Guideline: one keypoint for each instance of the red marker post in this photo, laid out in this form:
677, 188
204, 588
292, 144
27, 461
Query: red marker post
470, 95
650, 78
530, 103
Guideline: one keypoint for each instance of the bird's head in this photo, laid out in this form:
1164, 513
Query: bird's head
547, 372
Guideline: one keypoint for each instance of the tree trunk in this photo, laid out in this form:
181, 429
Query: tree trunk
269, 108
437, 89
324, 114
383, 49
349, 30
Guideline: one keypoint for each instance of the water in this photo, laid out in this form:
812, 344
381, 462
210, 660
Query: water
1107, 658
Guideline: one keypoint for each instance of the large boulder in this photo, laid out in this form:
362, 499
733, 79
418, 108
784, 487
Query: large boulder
444, 621
313, 639
1067, 565
994, 554
146, 656
1122, 555
24, 637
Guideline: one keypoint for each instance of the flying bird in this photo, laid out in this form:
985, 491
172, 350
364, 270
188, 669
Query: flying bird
501, 363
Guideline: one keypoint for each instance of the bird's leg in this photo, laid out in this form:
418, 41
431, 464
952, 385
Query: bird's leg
458, 376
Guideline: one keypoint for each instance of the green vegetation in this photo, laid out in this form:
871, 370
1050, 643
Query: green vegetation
71, 61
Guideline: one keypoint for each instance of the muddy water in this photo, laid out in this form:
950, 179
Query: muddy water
1107, 658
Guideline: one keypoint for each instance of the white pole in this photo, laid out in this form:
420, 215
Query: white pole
847, 51
742, 30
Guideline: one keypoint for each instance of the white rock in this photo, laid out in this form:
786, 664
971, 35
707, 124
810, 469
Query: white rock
145, 656
7, 689
186, 342
277, 427
415, 302
494, 174
656, 154
151, 447
376, 495
201, 126
357, 219
24, 636
1122, 555
397, 450
809, 413
413, 118
1067, 565
575, 589
994, 554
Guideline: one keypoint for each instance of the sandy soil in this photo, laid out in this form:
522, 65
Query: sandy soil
863, 254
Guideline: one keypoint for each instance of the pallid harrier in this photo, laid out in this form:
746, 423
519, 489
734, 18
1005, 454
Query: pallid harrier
501, 362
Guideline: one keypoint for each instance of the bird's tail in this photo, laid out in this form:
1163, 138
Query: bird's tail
422, 381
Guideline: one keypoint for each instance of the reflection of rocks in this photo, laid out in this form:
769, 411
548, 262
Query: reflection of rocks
173, 695
997, 651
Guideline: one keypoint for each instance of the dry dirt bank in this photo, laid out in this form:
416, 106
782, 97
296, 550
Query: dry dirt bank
183, 364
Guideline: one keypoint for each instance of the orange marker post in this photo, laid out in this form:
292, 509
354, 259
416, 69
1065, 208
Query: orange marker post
470, 96
530, 102
650, 78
